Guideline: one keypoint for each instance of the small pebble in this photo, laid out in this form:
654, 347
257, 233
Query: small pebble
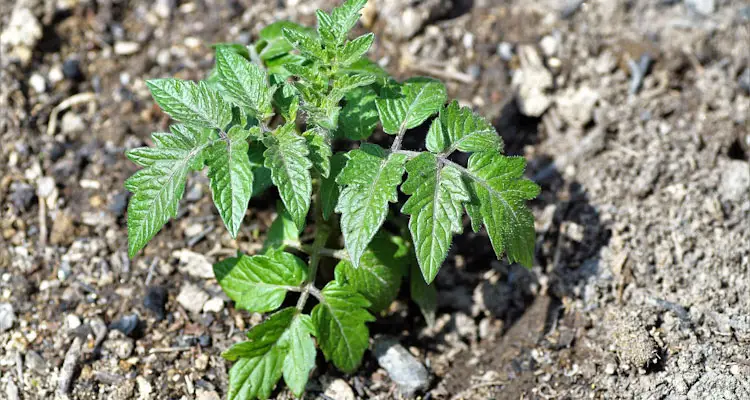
215, 305
72, 322
126, 48
34, 362
45, 187
37, 83
505, 50
610, 369
71, 69
129, 325
403, 368
156, 300
205, 340
72, 123
7, 317
338, 389
192, 298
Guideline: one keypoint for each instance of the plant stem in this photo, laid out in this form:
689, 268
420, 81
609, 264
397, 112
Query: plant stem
322, 232
339, 254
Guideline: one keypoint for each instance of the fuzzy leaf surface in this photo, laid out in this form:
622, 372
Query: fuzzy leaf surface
319, 145
370, 179
340, 321
192, 104
459, 128
245, 82
356, 49
498, 199
309, 46
259, 283
419, 98
159, 186
344, 17
231, 178
300, 356
436, 206
286, 157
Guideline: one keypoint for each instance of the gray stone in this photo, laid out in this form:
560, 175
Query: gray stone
404, 21
403, 368
34, 362
576, 107
72, 123
192, 298
735, 181
531, 83
7, 317
121, 347
716, 385
38, 83
215, 305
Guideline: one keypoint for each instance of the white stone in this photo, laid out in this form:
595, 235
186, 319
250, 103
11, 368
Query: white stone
531, 83
7, 317
735, 181
338, 389
194, 264
72, 123
72, 322
144, 388
45, 187
192, 298
576, 107
215, 305
55, 74
37, 83
126, 48
549, 45
23, 29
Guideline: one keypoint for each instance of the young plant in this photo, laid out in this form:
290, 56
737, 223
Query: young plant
243, 123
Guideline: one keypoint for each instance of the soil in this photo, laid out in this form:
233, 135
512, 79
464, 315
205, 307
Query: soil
642, 272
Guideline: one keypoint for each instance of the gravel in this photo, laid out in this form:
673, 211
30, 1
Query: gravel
192, 298
410, 375
7, 317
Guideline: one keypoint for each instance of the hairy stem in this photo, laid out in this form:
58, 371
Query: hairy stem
339, 254
322, 232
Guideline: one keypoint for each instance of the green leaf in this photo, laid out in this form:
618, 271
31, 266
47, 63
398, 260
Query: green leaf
281, 345
307, 45
436, 207
300, 357
423, 294
259, 283
458, 128
286, 157
345, 84
319, 145
158, 187
498, 194
378, 277
344, 17
261, 174
365, 66
419, 99
359, 117
238, 49
272, 43
282, 230
231, 178
340, 320
355, 49
197, 105
329, 189
326, 30
370, 178
244, 82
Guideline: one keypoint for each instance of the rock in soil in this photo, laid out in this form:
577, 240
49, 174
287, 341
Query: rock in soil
7, 317
403, 368
338, 389
735, 181
192, 298
633, 343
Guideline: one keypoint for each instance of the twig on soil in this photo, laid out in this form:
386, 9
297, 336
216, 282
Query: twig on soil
64, 105
72, 357
162, 350
42, 222
461, 394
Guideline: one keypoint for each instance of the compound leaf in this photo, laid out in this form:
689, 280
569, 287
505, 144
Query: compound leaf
286, 157
158, 187
244, 82
498, 194
436, 207
198, 105
231, 177
340, 320
458, 128
378, 277
370, 178
259, 283
419, 98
